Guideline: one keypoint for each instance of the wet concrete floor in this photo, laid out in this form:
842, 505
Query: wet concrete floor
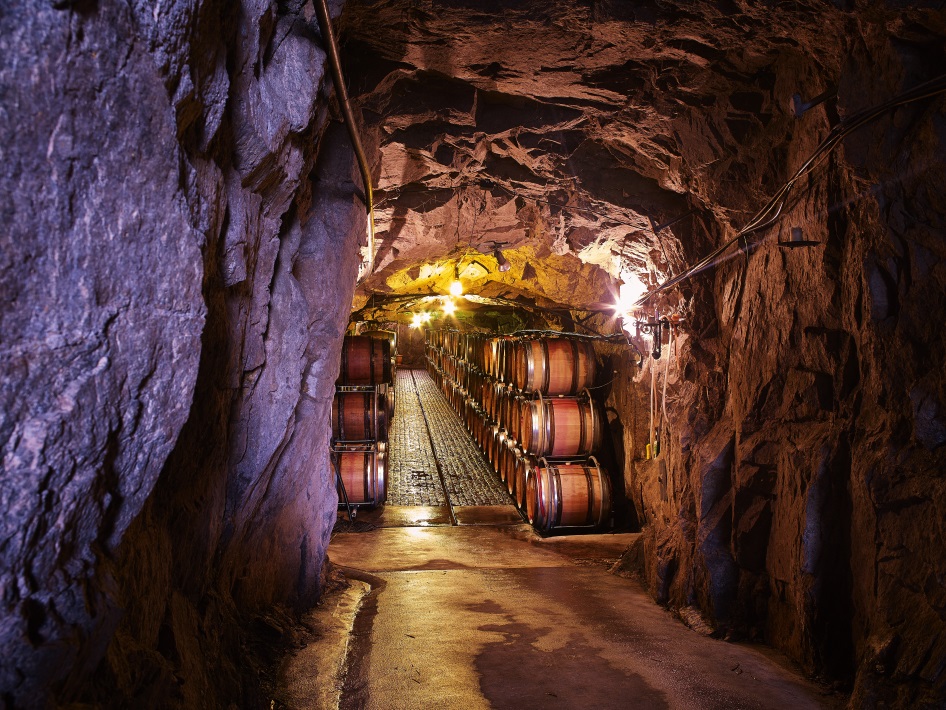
495, 617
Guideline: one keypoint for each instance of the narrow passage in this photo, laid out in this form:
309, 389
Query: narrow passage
426, 431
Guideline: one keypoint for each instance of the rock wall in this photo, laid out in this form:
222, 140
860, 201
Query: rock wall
180, 245
799, 495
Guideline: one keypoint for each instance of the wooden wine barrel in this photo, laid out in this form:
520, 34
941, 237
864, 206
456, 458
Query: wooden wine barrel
483, 429
365, 361
512, 464
497, 435
509, 464
561, 426
363, 470
568, 495
516, 405
358, 415
507, 360
491, 400
555, 366
523, 471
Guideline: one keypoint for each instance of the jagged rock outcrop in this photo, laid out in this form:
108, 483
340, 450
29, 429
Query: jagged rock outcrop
799, 495
181, 240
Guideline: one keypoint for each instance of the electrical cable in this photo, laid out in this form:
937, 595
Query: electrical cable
596, 336
653, 397
663, 405
772, 209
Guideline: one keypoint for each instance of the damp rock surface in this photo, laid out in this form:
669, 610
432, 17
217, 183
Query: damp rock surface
180, 244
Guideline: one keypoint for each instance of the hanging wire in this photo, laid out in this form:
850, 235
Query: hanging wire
772, 209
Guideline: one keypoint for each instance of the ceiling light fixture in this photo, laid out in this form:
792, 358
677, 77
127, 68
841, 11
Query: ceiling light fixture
456, 288
501, 259
629, 292
658, 228
797, 239
799, 106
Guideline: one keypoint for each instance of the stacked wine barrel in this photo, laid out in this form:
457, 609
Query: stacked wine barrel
361, 414
528, 406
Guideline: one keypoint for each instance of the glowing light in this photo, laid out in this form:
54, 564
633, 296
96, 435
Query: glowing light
425, 316
456, 289
449, 307
416, 320
630, 292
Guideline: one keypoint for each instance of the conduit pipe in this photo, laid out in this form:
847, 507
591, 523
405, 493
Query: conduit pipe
341, 93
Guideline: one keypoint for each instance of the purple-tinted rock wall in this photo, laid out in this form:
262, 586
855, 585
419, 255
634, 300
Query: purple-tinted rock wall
180, 242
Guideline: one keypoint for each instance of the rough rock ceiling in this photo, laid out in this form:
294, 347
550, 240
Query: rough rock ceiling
557, 129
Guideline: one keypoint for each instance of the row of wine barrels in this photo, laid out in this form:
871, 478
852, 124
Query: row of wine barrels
533, 443
549, 365
362, 469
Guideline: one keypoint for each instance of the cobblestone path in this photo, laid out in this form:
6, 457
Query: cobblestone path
412, 471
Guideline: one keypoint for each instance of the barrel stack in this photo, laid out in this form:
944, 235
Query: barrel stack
528, 404
361, 415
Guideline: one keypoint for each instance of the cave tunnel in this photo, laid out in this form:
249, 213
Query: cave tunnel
731, 213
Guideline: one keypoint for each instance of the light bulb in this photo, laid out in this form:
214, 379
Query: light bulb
456, 289
449, 308
426, 316
630, 292
416, 320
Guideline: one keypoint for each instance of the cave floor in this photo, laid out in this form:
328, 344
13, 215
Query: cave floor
496, 617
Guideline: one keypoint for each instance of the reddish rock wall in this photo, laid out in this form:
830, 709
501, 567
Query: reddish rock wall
180, 248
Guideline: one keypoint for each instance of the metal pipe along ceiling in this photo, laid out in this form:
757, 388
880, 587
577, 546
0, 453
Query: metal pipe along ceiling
331, 48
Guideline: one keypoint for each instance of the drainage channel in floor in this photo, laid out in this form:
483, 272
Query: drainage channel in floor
436, 473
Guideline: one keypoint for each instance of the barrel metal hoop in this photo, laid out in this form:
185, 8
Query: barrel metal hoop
583, 444
605, 491
549, 417
591, 492
556, 498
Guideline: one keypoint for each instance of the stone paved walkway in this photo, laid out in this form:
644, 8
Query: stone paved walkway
413, 478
